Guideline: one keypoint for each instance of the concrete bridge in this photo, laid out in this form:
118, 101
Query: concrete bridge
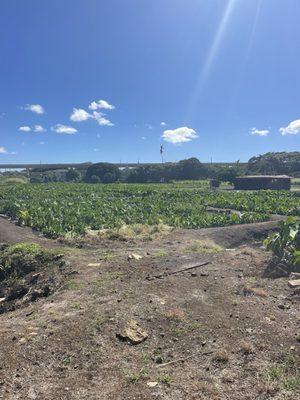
85, 165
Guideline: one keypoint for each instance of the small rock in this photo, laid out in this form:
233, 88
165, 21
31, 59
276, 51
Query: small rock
133, 333
193, 274
204, 274
134, 256
284, 306
94, 265
152, 384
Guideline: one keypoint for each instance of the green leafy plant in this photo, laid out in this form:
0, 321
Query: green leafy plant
285, 244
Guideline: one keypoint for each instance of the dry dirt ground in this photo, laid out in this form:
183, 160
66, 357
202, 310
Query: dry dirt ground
217, 331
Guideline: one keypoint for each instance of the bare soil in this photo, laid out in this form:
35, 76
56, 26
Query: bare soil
217, 331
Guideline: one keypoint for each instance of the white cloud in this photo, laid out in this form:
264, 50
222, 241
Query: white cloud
292, 129
101, 104
39, 128
24, 128
64, 129
163, 124
258, 132
36, 108
3, 150
179, 135
13, 153
41, 143
101, 119
79, 114
143, 137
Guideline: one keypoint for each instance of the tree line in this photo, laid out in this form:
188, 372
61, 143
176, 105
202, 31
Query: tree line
189, 169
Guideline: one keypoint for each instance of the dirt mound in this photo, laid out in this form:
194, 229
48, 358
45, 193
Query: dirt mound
28, 272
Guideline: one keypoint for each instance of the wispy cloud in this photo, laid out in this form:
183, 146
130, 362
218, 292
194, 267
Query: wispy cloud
101, 119
101, 105
36, 108
3, 150
39, 128
179, 135
259, 132
163, 124
292, 129
25, 128
35, 128
64, 129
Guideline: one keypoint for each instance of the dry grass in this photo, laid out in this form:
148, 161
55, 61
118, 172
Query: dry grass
204, 246
221, 355
177, 315
246, 347
254, 291
134, 231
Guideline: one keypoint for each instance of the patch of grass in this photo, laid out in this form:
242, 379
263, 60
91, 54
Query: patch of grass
286, 373
205, 246
101, 320
134, 377
102, 285
160, 253
165, 379
72, 284
76, 306
185, 329
20, 259
107, 256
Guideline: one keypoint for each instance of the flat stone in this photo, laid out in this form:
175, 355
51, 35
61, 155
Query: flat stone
133, 333
294, 283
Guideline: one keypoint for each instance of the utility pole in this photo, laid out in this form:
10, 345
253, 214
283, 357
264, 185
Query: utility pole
162, 153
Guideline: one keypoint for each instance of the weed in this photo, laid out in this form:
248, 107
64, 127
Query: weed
76, 306
134, 377
165, 379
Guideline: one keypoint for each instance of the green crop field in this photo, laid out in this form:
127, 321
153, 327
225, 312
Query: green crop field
60, 208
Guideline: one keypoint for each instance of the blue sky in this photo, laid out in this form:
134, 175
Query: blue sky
95, 80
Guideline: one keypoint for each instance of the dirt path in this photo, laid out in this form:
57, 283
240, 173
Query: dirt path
219, 331
12, 233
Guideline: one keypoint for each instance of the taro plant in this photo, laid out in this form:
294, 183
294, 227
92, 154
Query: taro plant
285, 244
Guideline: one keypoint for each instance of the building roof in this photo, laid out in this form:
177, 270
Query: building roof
264, 177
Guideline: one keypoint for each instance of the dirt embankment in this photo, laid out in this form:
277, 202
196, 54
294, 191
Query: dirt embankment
218, 330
